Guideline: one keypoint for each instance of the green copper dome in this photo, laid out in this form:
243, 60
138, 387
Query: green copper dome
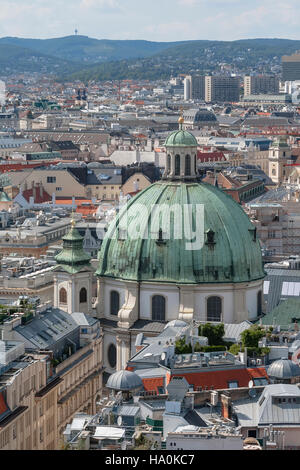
230, 252
73, 258
181, 138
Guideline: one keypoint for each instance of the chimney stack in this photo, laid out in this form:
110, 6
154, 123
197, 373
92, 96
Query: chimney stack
226, 406
34, 192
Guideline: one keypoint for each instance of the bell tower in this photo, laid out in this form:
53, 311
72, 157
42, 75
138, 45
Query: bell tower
73, 275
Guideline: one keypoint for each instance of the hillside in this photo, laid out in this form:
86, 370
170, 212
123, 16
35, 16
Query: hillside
84, 58
89, 50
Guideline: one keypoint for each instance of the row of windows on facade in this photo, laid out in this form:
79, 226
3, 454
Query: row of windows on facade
213, 303
187, 169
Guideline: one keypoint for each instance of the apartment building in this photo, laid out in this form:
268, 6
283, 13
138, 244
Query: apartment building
260, 84
291, 67
50, 369
221, 89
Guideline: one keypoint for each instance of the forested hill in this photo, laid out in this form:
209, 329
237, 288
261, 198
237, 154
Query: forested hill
100, 59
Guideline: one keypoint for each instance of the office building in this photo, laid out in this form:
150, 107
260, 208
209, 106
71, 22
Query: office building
262, 84
221, 89
291, 67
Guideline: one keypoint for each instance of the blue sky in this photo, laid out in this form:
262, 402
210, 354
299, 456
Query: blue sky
156, 20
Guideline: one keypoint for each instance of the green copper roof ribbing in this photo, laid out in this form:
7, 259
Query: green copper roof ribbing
283, 314
235, 257
73, 257
181, 138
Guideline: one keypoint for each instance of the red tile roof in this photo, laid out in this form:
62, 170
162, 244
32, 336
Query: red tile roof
38, 199
219, 379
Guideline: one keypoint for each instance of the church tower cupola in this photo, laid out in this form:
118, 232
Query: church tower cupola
73, 275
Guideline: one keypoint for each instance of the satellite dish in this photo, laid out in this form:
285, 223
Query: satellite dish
252, 393
250, 384
119, 421
163, 356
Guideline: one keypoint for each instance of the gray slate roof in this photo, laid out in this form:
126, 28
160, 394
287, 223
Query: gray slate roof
266, 409
47, 328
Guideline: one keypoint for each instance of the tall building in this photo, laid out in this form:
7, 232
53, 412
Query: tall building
261, 84
194, 87
291, 67
221, 89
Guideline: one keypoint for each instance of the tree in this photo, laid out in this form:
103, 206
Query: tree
252, 336
182, 348
214, 333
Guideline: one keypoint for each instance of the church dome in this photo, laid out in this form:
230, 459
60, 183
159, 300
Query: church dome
181, 138
230, 252
283, 369
124, 380
204, 115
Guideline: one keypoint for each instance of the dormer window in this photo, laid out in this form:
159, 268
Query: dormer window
160, 240
210, 237
253, 232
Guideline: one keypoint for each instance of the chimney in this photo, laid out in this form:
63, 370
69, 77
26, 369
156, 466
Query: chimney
226, 406
41, 191
34, 193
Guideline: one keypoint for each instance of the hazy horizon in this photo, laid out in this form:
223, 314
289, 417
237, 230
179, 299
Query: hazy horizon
160, 21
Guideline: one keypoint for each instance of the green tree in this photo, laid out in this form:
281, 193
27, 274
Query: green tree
252, 336
214, 333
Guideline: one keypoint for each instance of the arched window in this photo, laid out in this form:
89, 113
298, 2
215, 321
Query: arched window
169, 163
158, 308
188, 165
114, 302
63, 296
177, 165
259, 303
83, 296
214, 308
112, 355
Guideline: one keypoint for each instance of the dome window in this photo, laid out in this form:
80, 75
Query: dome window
158, 308
253, 232
114, 302
214, 309
112, 356
188, 165
177, 165
83, 296
160, 240
63, 296
259, 303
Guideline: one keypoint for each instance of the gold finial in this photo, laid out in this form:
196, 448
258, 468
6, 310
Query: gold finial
73, 223
181, 119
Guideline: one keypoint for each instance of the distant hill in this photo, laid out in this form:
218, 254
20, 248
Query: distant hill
20, 59
83, 48
84, 58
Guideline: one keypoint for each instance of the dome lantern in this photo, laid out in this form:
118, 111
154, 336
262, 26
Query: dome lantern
181, 149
